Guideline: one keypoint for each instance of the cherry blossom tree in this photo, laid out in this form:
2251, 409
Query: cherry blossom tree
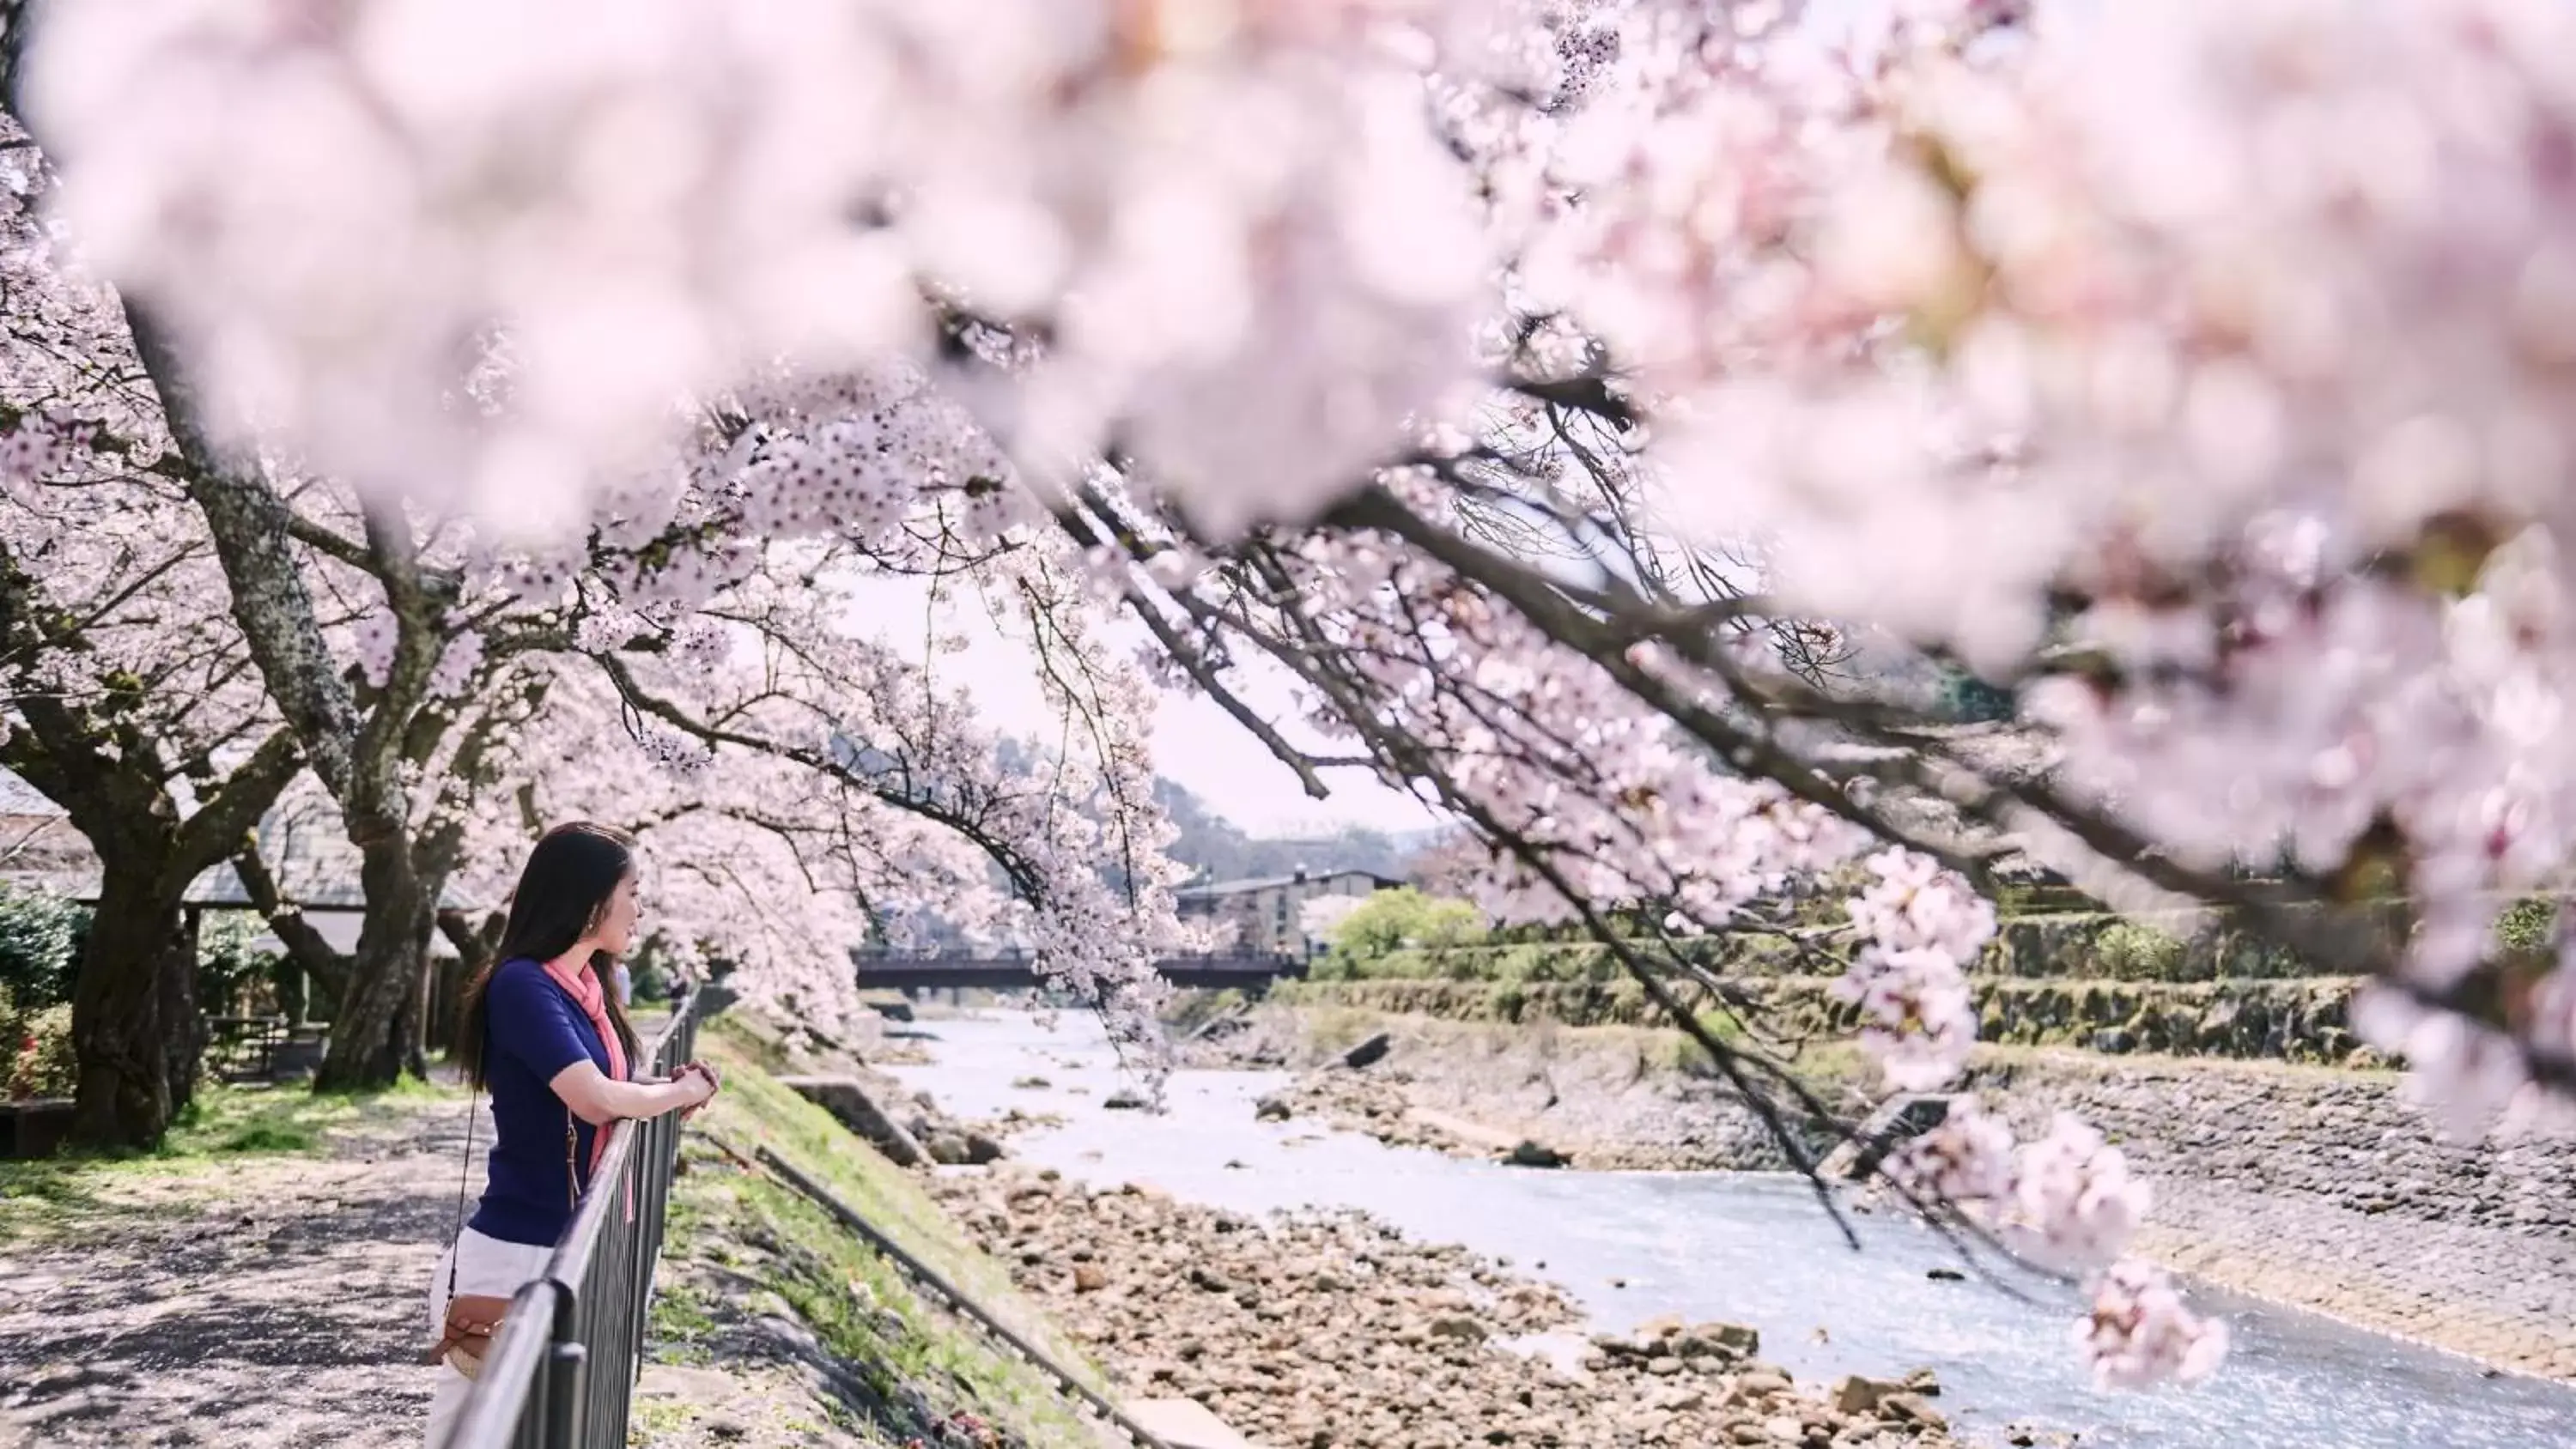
1556, 390
130, 700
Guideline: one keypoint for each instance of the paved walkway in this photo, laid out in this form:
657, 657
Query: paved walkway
231, 1301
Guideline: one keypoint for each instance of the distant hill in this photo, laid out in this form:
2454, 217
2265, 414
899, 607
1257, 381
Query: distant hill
1218, 849
1213, 847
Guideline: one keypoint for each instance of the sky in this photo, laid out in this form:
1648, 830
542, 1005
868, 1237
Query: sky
1196, 743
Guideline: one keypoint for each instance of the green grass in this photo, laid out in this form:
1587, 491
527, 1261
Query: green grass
652, 1418
224, 1122
857, 1305
285, 1120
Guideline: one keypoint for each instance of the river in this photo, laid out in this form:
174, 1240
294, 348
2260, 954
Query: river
1743, 1248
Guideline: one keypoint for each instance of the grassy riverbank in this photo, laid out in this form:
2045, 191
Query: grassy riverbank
776, 1326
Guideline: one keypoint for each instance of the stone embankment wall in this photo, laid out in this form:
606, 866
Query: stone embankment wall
2330, 1190
2344, 1139
2300, 1019
2093, 944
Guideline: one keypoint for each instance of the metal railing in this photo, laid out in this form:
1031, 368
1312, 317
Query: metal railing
958, 1300
561, 1372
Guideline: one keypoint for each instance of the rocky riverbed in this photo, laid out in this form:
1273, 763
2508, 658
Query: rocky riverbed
1611, 1098
2314, 1187
1311, 1331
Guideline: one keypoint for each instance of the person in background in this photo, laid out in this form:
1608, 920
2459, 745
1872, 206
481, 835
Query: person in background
625, 985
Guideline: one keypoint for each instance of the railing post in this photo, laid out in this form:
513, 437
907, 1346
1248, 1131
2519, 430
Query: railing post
565, 1365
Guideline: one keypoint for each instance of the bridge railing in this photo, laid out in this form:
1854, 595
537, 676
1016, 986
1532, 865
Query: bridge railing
1018, 953
561, 1373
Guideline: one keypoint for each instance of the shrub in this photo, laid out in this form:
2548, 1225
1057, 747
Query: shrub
2132, 952
2527, 925
229, 965
36, 1049
1389, 921
40, 941
1970, 700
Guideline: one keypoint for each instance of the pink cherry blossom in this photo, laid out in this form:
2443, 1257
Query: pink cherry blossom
2073, 1202
2139, 1332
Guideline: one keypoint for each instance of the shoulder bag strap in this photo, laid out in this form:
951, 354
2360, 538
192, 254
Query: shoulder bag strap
464, 1176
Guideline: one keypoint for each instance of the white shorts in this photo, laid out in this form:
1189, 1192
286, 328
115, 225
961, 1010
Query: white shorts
483, 1265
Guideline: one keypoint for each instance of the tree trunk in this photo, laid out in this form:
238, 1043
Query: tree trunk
411, 1024
289, 979
183, 1036
371, 1037
120, 1005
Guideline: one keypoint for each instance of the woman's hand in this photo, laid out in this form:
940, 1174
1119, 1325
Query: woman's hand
595, 1098
700, 1074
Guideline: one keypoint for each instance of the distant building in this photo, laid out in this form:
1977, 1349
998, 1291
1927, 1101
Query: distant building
307, 851
36, 835
1265, 912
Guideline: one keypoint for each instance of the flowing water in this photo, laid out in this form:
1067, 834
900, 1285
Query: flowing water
1744, 1248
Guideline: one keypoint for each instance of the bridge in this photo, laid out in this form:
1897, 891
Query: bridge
1017, 971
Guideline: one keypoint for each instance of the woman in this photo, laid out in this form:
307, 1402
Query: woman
544, 1032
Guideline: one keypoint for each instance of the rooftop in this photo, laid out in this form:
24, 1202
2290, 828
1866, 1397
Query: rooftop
1274, 882
315, 865
18, 799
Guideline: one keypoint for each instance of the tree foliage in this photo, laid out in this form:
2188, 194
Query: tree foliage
40, 938
1388, 921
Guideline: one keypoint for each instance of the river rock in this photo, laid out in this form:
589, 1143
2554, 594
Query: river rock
1911, 1409
1732, 1340
1762, 1384
1125, 1099
1031, 1084
1530, 1153
849, 1102
982, 1150
1458, 1326
1271, 1109
1329, 1328
1370, 1052
949, 1149
1853, 1394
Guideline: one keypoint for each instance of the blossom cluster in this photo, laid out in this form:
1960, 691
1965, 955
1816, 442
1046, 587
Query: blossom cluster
704, 171
2066, 1200
1921, 926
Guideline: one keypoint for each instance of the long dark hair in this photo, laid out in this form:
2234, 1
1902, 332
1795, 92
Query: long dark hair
563, 889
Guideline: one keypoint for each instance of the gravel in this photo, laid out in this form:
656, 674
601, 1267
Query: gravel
1308, 1331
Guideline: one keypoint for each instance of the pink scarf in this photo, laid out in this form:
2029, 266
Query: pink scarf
582, 983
